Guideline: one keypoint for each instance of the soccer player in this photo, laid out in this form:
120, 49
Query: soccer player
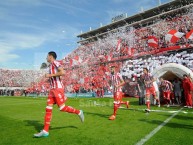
150, 90
56, 94
117, 82
167, 88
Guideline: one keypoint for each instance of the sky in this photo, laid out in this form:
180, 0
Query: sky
29, 29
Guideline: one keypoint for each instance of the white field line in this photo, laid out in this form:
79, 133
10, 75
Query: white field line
152, 133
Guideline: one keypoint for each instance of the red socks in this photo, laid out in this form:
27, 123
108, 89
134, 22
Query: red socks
123, 102
69, 109
148, 104
116, 106
47, 119
48, 115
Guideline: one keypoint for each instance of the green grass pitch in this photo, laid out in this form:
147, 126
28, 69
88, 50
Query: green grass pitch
21, 117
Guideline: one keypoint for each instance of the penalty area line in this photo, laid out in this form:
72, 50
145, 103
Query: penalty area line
152, 133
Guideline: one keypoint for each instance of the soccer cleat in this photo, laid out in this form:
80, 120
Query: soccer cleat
147, 110
168, 105
189, 106
127, 104
112, 117
81, 116
158, 105
41, 134
185, 106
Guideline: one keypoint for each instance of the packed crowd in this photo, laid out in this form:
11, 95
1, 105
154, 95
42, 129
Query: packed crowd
91, 69
135, 66
19, 78
131, 41
128, 47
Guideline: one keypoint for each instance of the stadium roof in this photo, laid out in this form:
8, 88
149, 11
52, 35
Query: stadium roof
164, 8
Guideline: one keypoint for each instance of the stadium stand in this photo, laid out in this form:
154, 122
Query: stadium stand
18, 82
149, 39
163, 34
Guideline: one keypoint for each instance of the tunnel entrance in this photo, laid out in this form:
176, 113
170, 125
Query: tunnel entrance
170, 76
170, 72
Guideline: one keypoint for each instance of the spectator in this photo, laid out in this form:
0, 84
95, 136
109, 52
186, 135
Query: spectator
187, 87
177, 90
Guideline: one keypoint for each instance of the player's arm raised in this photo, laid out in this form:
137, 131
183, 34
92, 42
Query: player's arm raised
60, 72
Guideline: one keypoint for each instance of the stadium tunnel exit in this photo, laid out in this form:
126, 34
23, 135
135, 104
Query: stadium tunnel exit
170, 76
171, 71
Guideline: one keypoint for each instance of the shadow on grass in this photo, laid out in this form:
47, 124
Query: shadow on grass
98, 114
36, 124
55, 128
169, 124
182, 117
39, 126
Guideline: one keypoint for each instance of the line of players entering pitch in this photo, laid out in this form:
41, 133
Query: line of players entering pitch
57, 96
150, 89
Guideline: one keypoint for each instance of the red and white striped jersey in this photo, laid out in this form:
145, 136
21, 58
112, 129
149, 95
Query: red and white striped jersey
165, 85
116, 80
55, 82
148, 80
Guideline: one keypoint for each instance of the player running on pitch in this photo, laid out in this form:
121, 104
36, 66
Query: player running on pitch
167, 88
150, 90
117, 82
56, 94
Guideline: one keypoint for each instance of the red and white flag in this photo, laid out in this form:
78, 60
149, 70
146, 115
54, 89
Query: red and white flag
152, 41
189, 35
173, 36
109, 57
118, 48
76, 61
